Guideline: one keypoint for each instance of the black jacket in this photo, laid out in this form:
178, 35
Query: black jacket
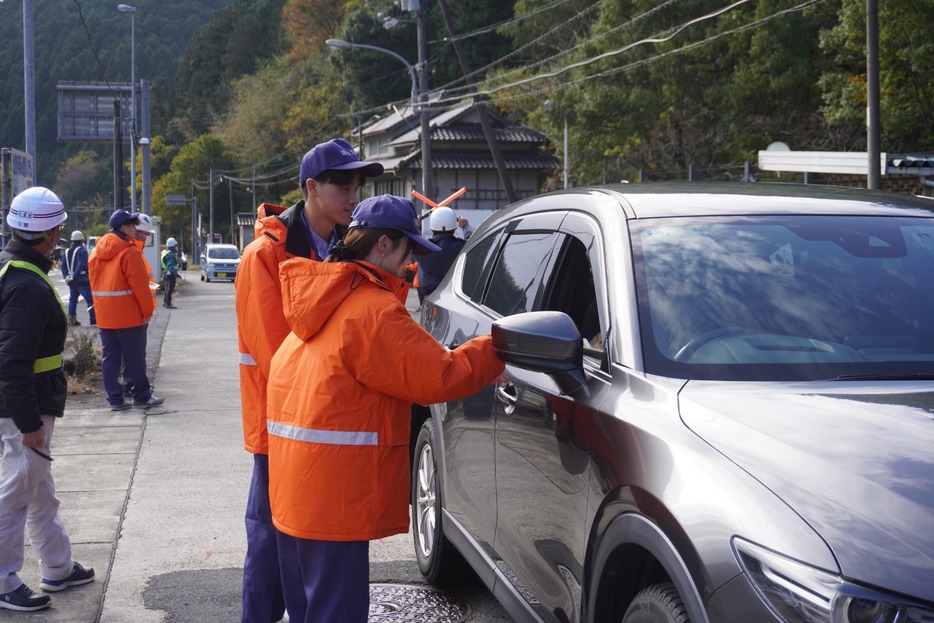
434, 266
32, 325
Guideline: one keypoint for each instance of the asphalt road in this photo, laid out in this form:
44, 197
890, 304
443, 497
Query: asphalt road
155, 501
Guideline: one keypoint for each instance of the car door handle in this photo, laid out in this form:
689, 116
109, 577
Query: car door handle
506, 393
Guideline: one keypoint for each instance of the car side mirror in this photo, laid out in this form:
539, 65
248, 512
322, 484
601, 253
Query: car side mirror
546, 342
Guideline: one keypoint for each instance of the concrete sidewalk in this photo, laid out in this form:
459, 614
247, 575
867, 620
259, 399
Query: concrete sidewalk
155, 501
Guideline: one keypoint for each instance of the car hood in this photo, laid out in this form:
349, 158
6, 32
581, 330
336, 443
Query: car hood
853, 459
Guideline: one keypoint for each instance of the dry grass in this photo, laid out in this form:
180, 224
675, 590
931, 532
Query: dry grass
84, 366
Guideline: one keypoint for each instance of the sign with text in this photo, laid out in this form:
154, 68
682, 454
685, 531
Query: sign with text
22, 168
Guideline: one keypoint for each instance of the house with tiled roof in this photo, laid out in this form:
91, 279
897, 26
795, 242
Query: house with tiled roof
460, 157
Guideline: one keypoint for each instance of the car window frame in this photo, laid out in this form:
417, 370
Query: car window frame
548, 221
586, 229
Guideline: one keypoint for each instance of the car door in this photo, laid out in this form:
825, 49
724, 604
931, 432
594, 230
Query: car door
544, 440
500, 275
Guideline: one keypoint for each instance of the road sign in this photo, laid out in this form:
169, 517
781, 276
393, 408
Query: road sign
176, 200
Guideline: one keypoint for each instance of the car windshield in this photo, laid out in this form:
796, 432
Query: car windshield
223, 253
786, 297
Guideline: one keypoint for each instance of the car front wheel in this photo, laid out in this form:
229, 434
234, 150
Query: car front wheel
437, 559
660, 603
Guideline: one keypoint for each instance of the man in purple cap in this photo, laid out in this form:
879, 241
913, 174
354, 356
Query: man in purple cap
330, 176
123, 302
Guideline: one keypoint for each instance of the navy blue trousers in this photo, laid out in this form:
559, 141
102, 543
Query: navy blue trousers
262, 585
128, 344
325, 580
169, 288
76, 290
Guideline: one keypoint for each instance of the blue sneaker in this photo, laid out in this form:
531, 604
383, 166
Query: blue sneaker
121, 406
79, 575
24, 600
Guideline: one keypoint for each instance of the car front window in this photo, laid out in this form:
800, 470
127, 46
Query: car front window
223, 254
786, 297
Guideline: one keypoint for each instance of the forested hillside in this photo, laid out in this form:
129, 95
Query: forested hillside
84, 40
652, 85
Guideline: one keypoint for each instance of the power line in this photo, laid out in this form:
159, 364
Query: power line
492, 27
686, 48
97, 58
500, 61
589, 61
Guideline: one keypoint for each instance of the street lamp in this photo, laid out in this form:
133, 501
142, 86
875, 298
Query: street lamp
550, 105
126, 8
422, 110
341, 44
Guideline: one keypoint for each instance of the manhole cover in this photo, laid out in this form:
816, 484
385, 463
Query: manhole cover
391, 603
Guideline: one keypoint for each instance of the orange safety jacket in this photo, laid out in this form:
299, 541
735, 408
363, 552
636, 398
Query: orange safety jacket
119, 283
261, 325
340, 394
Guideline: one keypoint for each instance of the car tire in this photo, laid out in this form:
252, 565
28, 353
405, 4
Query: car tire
438, 560
660, 603
202, 276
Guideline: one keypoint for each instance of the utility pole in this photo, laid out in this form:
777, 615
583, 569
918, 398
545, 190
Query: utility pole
230, 198
146, 198
421, 26
211, 206
118, 158
29, 82
873, 130
480, 108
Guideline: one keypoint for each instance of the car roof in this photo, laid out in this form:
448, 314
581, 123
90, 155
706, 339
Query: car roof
671, 199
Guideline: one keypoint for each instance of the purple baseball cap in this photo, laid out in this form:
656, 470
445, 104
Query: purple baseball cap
120, 217
391, 212
336, 154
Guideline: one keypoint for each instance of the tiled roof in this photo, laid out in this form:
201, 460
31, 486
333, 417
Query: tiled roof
473, 132
483, 160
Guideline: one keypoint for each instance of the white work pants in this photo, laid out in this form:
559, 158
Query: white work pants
27, 499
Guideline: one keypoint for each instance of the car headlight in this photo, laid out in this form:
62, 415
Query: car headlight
799, 593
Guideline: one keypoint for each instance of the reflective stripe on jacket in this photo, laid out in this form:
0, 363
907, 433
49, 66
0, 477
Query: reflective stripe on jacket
119, 283
261, 326
340, 394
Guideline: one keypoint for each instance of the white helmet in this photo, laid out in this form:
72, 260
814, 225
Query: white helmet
76, 235
442, 219
36, 210
145, 223
171, 242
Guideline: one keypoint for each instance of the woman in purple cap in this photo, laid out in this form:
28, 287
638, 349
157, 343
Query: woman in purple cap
330, 177
340, 394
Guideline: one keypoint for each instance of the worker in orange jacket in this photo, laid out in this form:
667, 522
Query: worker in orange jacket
341, 388
330, 175
123, 301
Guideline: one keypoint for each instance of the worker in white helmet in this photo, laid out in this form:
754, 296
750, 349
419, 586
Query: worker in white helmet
33, 326
170, 270
75, 272
433, 267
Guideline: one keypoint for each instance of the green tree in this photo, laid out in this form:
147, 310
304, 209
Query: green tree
192, 162
906, 83
232, 45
